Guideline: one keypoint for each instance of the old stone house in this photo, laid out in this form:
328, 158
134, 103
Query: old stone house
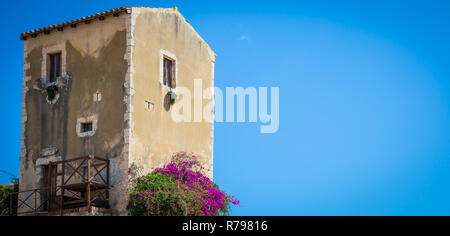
96, 101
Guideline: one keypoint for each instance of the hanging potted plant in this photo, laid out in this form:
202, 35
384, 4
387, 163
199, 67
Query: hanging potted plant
171, 97
52, 90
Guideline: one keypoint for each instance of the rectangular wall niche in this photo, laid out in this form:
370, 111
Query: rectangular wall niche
149, 106
86, 126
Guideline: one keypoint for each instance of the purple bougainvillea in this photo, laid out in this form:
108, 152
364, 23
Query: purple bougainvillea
180, 188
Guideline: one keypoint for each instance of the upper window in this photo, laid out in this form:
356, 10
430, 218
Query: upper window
53, 62
54, 67
169, 73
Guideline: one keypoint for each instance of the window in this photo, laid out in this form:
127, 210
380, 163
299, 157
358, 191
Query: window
53, 62
169, 73
168, 70
86, 127
55, 67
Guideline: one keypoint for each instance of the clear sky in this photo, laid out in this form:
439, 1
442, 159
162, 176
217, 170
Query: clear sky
364, 99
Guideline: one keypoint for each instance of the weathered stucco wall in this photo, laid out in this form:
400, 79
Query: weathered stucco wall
115, 69
156, 136
95, 55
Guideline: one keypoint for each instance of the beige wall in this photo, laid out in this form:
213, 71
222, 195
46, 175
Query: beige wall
95, 55
157, 136
120, 58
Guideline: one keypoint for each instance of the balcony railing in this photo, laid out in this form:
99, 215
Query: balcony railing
70, 184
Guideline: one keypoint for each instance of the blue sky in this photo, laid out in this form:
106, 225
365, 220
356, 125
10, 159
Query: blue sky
364, 100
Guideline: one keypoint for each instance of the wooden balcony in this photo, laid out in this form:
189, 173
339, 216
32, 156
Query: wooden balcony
79, 183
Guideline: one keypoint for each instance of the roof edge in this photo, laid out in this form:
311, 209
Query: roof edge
175, 10
101, 16
212, 53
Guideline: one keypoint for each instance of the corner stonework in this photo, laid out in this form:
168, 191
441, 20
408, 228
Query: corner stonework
26, 79
119, 195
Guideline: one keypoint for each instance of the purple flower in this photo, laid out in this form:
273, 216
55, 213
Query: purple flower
193, 190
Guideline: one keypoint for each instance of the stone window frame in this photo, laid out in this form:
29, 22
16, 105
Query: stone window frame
169, 55
46, 51
84, 120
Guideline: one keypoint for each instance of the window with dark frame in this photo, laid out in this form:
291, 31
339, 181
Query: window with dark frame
86, 127
54, 67
169, 73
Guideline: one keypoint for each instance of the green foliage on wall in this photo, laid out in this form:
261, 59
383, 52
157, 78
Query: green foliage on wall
180, 188
6, 198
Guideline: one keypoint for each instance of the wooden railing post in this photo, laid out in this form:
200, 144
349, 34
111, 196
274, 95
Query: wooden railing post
35, 201
61, 204
88, 190
107, 181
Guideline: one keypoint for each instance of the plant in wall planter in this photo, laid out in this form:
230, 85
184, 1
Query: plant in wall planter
52, 90
171, 96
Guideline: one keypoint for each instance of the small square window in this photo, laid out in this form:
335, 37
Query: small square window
54, 67
169, 73
86, 127
97, 97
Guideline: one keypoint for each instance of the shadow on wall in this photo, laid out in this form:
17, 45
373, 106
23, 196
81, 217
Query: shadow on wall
167, 102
